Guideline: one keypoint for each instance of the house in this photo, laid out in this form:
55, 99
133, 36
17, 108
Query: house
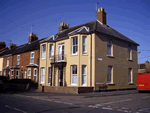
144, 67
3, 48
21, 62
80, 58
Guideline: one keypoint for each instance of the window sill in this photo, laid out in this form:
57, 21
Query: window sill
110, 83
110, 56
131, 83
84, 54
73, 84
129, 59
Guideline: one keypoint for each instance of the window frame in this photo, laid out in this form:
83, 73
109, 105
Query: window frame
4, 72
109, 46
7, 62
130, 75
84, 74
84, 45
29, 74
35, 75
129, 52
111, 74
51, 51
18, 60
73, 75
25, 74
76, 45
43, 52
16, 74
50, 76
32, 58
43, 68
12, 75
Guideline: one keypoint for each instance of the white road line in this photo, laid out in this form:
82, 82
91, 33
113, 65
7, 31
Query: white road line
107, 108
15, 109
146, 97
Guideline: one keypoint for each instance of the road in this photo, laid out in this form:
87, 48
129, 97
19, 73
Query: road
131, 103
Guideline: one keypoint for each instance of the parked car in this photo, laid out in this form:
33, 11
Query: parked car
3, 81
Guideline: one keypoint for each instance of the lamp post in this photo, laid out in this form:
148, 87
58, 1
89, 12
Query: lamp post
139, 58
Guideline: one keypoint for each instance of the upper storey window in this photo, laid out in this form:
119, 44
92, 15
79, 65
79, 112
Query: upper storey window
84, 44
43, 51
109, 47
74, 45
18, 59
32, 57
7, 63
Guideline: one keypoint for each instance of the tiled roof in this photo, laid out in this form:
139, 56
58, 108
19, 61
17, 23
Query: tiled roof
22, 48
94, 26
32, 65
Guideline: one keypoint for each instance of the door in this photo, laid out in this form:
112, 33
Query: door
8, 74
22, 74
17, 74
61, 48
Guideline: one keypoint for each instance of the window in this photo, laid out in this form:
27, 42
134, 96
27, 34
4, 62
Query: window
35, 74
4, 73
32, 57
84, 74
49, 75
17, 74
42, 75
29, 74
109, 75
74, 45
25, 74
0, 72
129, 52
84, 44
7, 61
74, 74
130, 76
12, 74
43, 51
51, 50
109, 47
22, 74
18, 59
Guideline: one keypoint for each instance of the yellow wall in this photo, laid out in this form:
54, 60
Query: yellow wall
1, 64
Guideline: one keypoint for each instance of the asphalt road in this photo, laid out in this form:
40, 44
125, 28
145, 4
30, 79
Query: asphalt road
19, 104
40, 103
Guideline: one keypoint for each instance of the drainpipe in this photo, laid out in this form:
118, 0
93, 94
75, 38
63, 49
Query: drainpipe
91, 62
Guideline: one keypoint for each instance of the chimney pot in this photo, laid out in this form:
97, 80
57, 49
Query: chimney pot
101, 15
63, 26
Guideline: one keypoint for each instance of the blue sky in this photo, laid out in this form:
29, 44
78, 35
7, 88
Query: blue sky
130, 17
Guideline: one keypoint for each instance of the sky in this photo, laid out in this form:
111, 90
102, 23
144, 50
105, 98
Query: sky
129, 17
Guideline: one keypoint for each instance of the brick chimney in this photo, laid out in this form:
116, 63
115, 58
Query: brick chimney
63, 26
32, 38
2, 45
101, 15
12, 46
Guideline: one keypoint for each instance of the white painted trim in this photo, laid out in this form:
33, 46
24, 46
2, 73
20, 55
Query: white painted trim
33, 58
75, 45
18, 59
84, 75
27, 72
18, 74
79, 29
7, 62
42, 52
72, 75
44, 75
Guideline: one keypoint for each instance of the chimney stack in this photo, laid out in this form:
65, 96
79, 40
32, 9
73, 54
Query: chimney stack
2, 45
12, 46
63, 26
101, 15
32, 37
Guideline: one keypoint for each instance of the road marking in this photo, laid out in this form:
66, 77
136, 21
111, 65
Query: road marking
107, 108
146, 97
15, 109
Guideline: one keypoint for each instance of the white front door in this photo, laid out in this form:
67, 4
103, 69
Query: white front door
60, 52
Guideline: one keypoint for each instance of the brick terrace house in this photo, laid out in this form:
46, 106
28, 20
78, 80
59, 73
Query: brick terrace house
22, 61
86, 56
3, 48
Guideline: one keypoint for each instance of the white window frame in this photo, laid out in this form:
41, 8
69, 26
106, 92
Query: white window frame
84, 74
25, 74
129, 52
12, 75
29, 74
32, 58
7, 63
43, 75
76, 45
16, 74
130, 75
73, 75
4, 73
51, 51
35, 75
110, 74
84, 45
49, 74
43, 52
18, 59
109, 47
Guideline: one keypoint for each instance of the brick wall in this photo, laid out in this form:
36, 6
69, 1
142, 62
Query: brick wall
57, 89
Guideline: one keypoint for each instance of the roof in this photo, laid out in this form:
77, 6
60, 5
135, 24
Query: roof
87, 28
22, 48
32, 65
